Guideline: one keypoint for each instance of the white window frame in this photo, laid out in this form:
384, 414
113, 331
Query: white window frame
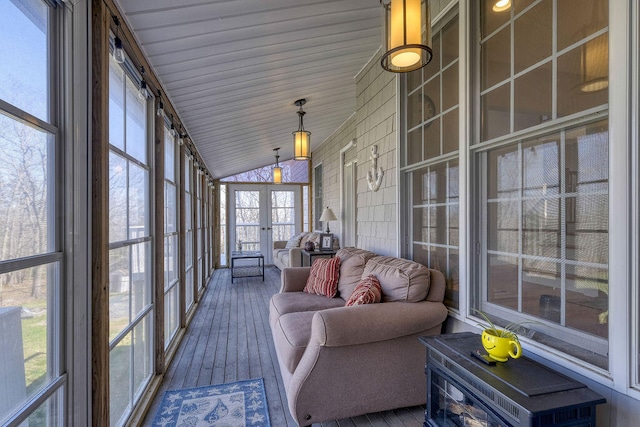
174, 285
623, 374
147, 312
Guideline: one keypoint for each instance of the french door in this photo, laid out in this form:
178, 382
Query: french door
262, 214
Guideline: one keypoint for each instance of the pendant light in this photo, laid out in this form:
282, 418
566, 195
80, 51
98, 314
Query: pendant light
160, 111
406, 36
277, 170
301, 137
118, 51
501, 5
143, 93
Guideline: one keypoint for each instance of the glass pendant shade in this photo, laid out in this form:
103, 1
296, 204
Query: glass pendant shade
143, 93
277, 175
502, 5
277, 170
301, 142
118, 51
406, 36
301, 137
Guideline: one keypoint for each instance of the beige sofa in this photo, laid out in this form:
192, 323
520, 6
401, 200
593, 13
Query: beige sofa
338, 361
284, 257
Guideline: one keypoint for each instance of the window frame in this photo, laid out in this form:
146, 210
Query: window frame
58, 384
623, 113
147, 313
174, 285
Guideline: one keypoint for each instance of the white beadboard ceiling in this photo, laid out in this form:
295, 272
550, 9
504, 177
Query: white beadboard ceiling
234, 68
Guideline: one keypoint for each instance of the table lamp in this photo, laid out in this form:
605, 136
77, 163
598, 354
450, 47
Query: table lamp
328, 215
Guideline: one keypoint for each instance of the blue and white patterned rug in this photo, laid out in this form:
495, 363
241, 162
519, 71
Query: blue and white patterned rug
239, 404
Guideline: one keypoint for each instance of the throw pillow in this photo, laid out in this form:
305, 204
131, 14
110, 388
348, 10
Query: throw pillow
368, 291
294, 241
323, 277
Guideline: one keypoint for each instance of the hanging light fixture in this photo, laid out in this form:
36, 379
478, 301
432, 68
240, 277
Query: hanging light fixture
277, 170
301, 137
143, 93
502, 5
118, 51
172, 128
406, 36
160, 110
183, 136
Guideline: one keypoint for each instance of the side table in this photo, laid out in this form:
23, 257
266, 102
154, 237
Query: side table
311, 254
247, 271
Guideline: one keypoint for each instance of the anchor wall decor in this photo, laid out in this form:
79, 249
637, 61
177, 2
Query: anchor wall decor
374, 176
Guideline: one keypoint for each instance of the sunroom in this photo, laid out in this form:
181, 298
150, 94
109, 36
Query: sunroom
139, 141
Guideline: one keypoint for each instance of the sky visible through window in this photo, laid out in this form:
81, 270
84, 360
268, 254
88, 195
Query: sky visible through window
23, 68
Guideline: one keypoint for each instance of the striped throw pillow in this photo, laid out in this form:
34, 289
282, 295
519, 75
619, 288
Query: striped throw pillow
368, 291
323, 277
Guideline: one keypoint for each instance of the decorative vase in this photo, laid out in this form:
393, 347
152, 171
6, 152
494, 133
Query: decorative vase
500, 348
309, 246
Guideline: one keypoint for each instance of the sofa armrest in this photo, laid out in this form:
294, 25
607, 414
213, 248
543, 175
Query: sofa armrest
368, 323
293, 279
295, 259
279, 244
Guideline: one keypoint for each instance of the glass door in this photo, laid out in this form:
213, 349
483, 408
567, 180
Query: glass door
262, 214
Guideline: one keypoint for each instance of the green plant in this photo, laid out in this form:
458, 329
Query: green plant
509, 331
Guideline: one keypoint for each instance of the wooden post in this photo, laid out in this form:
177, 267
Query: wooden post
159, 244
99, 214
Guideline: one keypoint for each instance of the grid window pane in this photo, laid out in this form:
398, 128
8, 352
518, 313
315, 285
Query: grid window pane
25, 69
26, 317
26, 183
135, 129
435, 222
556, 226
533, 35
116, 105
533, 97
118, 197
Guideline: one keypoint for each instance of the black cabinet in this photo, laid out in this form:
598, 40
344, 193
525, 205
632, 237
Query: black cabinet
463, 391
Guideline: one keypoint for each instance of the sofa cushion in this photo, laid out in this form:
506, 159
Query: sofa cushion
292, 302
323, 277
291, 335
310, 237
400, 279
294, 241
368, 291
352, 262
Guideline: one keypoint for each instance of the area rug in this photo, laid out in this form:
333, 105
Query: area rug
239, 404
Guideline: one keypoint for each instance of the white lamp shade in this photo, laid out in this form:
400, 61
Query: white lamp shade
406, 35
301, 143
328, 215
277, 175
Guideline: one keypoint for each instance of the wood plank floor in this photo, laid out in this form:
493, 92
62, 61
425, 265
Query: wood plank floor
229, 339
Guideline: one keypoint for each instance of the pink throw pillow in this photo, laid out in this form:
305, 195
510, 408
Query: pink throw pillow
323, 277
368, 291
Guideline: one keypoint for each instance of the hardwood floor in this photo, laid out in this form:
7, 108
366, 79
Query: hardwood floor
229, 339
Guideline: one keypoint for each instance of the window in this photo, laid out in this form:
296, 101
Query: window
188, 221
33, 386
199, 229
543, 173
430, 160
130, 250
171, 277
317, 197
223, 224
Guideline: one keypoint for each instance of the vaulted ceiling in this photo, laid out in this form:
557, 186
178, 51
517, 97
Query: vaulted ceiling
233, 69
